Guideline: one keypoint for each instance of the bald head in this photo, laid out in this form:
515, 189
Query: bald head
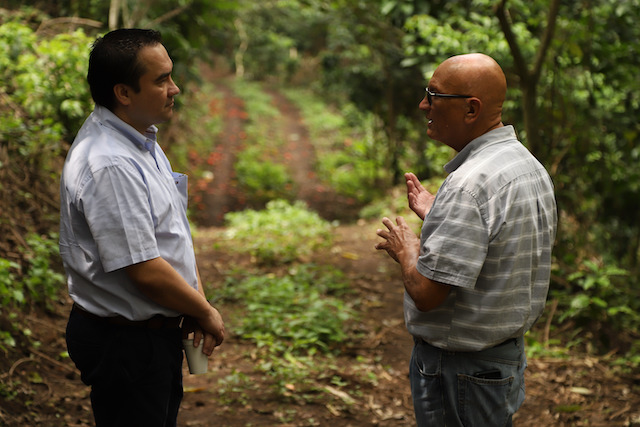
478, 75
464, 99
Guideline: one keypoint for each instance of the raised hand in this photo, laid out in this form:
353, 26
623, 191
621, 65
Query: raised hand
420, 200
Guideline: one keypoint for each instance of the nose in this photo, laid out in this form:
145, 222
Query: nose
424, 104
174, 89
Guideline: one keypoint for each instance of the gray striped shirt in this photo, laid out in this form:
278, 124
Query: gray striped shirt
489, 235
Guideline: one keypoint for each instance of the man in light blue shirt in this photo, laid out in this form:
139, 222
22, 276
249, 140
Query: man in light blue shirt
126, 243
477, 278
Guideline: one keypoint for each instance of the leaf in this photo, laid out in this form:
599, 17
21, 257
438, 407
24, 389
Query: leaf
581, 390
341, 394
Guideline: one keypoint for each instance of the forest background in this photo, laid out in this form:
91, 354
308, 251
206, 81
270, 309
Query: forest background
360, 67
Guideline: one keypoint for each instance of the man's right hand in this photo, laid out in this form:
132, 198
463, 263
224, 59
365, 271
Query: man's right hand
213, 329
420, 200
210, 329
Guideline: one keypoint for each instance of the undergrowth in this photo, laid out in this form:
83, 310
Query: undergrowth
281, 233
299, 316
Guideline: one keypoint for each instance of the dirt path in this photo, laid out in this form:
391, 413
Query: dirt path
300, 157
39, 387
574, 391
563, 392
385, 348
219, 196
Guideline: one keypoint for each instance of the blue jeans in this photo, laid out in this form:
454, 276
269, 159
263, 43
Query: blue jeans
135, 374
456, 389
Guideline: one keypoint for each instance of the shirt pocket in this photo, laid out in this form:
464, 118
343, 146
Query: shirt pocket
181, 180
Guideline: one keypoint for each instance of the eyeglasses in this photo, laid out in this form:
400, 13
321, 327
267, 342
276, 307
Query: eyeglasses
431, 95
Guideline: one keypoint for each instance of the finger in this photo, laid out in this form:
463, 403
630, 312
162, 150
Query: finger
220, 337
417, 185
209, 345
401, 221
382, 233
197, 336
382, 246
387, 223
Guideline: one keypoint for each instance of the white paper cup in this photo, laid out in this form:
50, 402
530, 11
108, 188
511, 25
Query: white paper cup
196, 359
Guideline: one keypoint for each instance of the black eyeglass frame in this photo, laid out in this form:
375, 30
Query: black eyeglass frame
431, 95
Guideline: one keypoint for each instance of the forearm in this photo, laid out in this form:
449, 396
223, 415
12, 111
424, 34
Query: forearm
200, 284
426, 293
161, 283
403, 246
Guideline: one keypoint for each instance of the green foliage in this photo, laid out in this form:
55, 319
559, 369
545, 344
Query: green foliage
269, 35
601, 297
44, 79
430, 39
234, 387
258, 103
38, 282
281, 233
297, 313
261, 180
200, 120
261, 174
41, 280
10, 293
291, 318
346, 142
42, 103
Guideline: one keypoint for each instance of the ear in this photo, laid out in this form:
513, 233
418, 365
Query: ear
474, 106
121, 92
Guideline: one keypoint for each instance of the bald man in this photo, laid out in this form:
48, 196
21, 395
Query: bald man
477, 277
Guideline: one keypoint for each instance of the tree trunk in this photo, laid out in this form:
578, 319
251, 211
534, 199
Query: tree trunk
529, 76
530, 113
114, 10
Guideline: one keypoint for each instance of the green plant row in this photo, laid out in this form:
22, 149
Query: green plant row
298, 313
297, 318
281, 233
262, 176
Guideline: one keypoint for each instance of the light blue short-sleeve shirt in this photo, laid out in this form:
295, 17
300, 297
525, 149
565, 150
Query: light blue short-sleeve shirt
121, 204
489, 235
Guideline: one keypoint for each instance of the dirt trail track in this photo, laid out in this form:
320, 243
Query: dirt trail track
577, 391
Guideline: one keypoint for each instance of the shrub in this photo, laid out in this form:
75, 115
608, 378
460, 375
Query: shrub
297, 313
281, 233
260, 179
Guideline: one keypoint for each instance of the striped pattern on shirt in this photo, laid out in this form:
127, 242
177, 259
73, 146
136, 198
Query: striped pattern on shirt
489, 235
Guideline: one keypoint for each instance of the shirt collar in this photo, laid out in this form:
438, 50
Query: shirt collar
144, 142
494, 136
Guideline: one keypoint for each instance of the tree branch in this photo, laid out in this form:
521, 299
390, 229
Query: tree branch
547, 37
169, 15
71, 20
505, 25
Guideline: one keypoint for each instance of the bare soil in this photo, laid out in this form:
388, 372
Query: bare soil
39, 387
576, 391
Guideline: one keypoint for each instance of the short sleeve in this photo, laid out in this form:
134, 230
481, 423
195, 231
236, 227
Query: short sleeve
115, 204
454, 240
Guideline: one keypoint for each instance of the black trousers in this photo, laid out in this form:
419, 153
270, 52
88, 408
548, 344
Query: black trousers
135, 373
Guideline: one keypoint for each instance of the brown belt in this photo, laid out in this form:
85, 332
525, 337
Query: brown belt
156, 322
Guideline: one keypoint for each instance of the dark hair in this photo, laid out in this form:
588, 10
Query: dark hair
114, 60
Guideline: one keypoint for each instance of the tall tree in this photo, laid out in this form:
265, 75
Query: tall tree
529, 75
